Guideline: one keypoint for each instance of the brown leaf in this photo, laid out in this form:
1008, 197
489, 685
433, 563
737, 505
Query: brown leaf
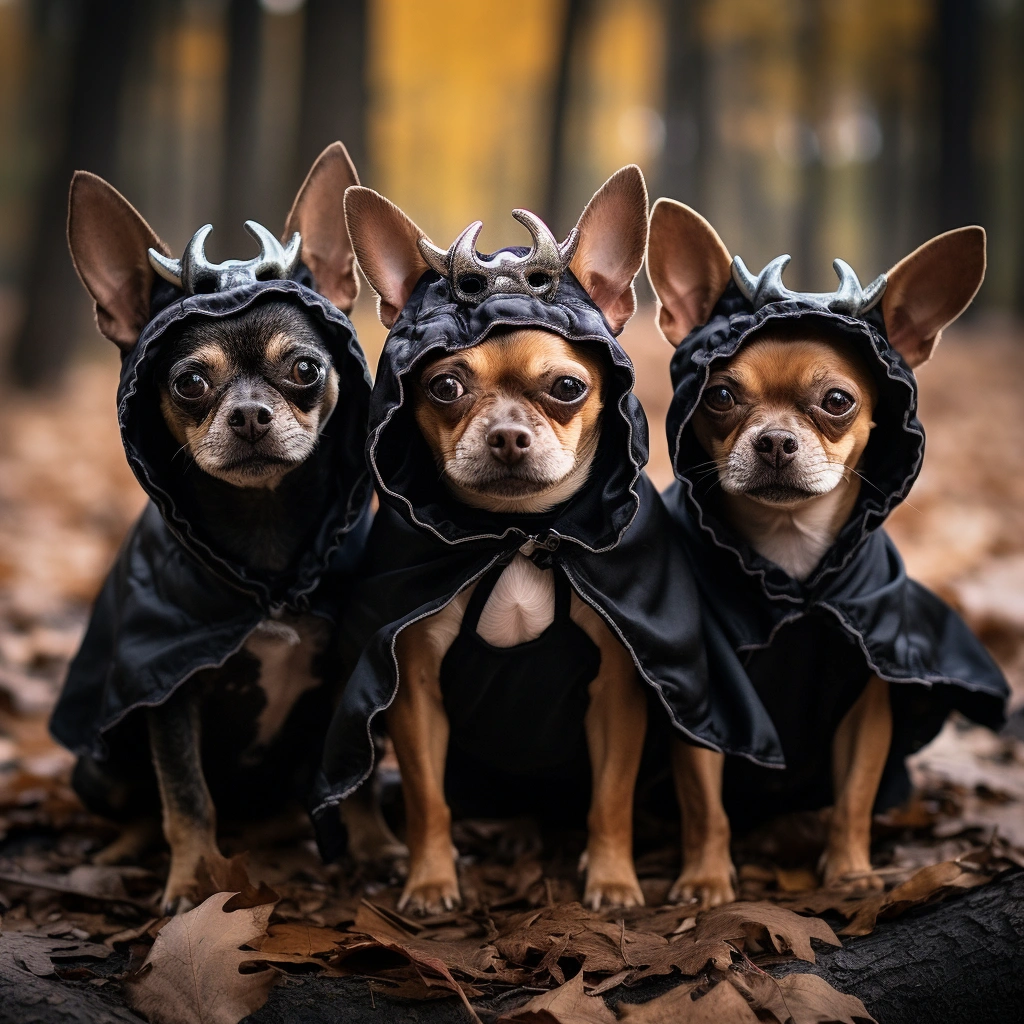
232, 875
191, 975
751, 924
722, 1005
808, 999
42, 954
299, 939
567, 1004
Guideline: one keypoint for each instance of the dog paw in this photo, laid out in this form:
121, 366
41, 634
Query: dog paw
625, 893
179, 897
704, 888
428, 898
849, 874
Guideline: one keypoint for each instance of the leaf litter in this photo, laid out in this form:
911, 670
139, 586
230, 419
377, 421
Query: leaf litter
282, 913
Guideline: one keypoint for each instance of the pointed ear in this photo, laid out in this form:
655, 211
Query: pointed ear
318, 214
930, 288
688, 266
384, 240
108, 241
613, 235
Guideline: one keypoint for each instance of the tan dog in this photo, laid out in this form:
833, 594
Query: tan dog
786, 422
513, 423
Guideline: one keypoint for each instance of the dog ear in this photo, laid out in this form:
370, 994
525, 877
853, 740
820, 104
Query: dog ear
318, 214
613, 236
385, 243
930, 288
108, 240
688, 266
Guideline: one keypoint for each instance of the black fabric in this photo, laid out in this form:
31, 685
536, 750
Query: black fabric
809, 647
173, 606
519, 709
612, 540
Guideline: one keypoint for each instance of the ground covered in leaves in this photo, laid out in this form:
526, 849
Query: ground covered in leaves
83, 939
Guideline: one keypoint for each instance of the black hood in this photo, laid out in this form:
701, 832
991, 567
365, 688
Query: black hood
433, 324
892, 459
809, 647
612, 540
152, 452
173, 605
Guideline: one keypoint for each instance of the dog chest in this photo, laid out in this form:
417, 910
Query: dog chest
287, 650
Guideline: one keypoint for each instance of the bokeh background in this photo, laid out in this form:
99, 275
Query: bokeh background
823, 128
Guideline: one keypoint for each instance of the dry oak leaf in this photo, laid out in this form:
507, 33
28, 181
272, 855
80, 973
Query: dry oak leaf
808, 999
722, 1005
191, 975
567, 1004
750, 924
300, 939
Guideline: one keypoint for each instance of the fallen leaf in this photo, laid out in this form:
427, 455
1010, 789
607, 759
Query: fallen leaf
232, 875
808, 999
42, 954
750, 924
191, 975
567, 1004
300, 939
722, 1005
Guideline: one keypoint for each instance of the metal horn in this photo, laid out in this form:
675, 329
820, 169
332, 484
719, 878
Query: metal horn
473, 278
849, 299
195, 273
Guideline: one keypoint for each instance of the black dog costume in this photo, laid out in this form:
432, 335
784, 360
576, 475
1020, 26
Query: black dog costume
809, 647
516, 713
173, 605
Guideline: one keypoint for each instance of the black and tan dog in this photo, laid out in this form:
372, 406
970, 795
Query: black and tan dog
794, 433
524, 604
242, 408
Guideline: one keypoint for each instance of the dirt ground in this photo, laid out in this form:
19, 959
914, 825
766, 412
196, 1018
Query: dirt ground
66, 501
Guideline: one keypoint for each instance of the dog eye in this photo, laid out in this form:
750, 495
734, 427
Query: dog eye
720, 399
191, 386
836, 402
568, 389
305, 372
446, 388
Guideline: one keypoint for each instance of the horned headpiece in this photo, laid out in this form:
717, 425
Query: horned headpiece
849, 299
194, 273
473, 278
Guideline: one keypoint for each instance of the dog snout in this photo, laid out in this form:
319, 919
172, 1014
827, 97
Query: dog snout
251, 420
508, 442
776, 447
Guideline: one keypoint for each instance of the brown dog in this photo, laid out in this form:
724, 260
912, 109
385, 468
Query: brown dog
786, 422
513, 423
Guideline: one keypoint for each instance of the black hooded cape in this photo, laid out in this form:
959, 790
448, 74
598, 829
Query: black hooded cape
809, 647
173, 606
612, 539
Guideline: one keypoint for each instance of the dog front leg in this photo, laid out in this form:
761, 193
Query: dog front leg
616, 723
419, 730
860, 749
189, 817
708, 875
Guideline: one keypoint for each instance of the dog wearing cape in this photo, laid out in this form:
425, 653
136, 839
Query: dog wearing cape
793, 433
524, 604
207, 672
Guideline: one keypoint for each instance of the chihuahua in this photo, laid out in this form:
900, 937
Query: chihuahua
513, 423
785, 422
245, 399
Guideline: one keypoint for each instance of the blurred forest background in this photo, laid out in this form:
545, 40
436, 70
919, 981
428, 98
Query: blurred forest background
823, 128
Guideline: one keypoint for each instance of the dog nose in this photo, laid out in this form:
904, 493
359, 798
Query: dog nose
250, 420
508, 442
776, 447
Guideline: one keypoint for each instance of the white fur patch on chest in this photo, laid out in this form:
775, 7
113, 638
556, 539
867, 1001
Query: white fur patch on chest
286, 649
521, 605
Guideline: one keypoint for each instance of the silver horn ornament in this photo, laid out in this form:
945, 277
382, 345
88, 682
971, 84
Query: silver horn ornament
194, 273
849, 299
473, 278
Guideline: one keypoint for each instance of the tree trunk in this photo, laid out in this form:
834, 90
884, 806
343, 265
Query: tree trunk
241, 124
88, 140
334, 93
